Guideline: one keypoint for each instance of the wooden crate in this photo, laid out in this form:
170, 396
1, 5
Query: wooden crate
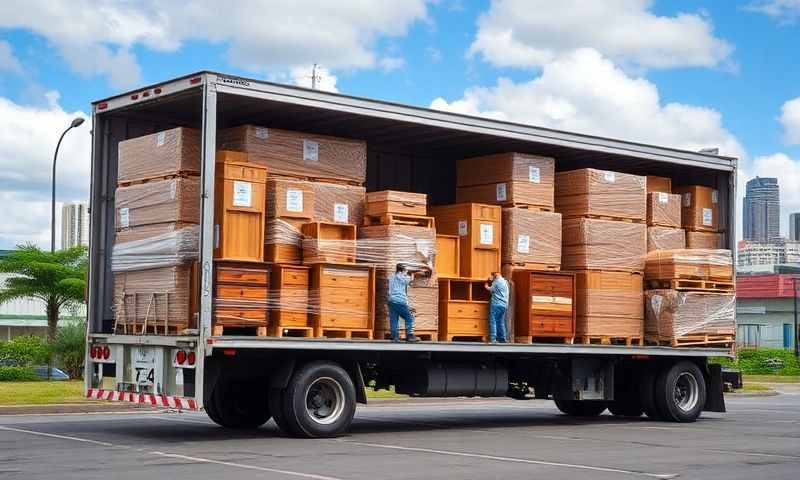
447, 256
342, 300
239, 211
479, 231
289, 301
609, 304
401, 203
290, 199
240, 298
544, 305
601, 194
659, 184
283, 240
696, 264
699, 208
325, 242
463, 309
506, 179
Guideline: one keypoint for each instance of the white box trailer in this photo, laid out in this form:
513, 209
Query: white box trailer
311, 386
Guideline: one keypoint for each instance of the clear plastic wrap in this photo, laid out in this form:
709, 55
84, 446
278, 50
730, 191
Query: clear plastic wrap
591, 192
423, 297
506, 178
392, 201
665, 238
663, 209
671, 314
590, 243
159, 154
689, 263
609, 304
699, 208
155, 300
339, 203
705, 240
290, 199
531, 236
167, 249
299, 154
158, 201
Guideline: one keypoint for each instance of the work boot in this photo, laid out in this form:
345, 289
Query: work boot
396, 338
412, 339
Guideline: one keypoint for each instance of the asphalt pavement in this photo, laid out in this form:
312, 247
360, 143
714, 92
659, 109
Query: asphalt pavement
759, 438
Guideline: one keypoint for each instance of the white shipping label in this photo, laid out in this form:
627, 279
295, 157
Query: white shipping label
663, 197
714, 196
463, 230
708, 217
294, 200
242, 194
502, 195
523, 244
534, 174
610, 177
124, 217
310, 151
161, 138
262, 133
487, 234
687, 199
341, 213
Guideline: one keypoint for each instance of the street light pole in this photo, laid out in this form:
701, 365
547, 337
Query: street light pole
75, 123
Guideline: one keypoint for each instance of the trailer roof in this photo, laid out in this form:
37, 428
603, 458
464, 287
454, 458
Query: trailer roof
382, 122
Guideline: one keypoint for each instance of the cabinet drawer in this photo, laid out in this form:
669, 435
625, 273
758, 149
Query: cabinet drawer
242, 275
467, 326
468, 310
294, 278
224, 315
237, 292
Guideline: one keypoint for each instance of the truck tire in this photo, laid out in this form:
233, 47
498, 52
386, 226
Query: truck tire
627, 406
681, 392
276, 408
233, 404
319, 401
581, 408
647, 394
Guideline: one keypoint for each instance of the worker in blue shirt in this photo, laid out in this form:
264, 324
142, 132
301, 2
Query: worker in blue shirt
397, 302
498, 287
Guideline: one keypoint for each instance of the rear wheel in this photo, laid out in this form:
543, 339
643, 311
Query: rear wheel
581, 408
647, 394
320, 401
627, 406
680, 392
238, 403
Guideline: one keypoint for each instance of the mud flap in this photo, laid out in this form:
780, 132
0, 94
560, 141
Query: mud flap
715, 399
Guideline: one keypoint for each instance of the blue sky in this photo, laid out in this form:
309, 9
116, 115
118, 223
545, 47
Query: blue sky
683, 74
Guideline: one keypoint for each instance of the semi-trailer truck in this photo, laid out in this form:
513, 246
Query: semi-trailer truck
310, 386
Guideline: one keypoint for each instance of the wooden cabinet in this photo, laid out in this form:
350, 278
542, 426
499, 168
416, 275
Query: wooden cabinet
325, 242
239, 211
463, 309
478, 228
241, 299
390, 201
447, 256
342, 300
544, 305
289, 302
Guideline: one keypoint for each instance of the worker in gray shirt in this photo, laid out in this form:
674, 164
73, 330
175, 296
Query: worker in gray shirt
498, 287
397, 302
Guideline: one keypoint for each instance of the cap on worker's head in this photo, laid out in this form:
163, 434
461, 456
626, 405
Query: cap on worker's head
400, 268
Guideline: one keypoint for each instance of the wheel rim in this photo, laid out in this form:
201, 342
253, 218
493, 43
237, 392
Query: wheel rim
325, 400
686, 392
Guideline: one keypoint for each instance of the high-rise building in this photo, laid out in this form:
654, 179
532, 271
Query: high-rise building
794, 227
74, 224
762, 218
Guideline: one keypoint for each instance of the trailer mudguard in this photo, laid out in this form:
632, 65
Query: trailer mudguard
715, 398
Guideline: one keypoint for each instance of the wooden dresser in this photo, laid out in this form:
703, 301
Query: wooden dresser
544, 306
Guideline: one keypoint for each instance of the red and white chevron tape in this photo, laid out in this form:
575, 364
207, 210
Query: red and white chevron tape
155, 400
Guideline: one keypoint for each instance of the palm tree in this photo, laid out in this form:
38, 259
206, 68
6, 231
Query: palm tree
57, 278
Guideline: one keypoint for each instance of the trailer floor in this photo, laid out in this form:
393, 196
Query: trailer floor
758, 438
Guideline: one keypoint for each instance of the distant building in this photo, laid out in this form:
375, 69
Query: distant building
766, 311
762, 219
780, 252
74, 224
794, 227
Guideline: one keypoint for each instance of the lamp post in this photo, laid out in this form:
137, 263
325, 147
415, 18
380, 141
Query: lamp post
75, 123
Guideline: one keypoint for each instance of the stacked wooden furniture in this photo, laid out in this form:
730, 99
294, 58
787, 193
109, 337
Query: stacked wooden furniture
240, 298
604, 241
664, 230
157, 210
290, 204
398, 230
463, 310
289, 316
691, 300
544, 306
342, 300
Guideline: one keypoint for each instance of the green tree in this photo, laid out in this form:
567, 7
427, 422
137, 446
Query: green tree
58, 279
70, 347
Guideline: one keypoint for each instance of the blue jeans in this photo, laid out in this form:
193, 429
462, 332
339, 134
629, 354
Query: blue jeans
497, 323
397, 310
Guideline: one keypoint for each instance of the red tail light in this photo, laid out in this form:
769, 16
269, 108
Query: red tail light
102, 105
93, 352
191, 358
180, 357
106, 352
195, 80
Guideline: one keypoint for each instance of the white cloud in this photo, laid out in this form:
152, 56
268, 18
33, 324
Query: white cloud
263, 36
787, 170
302, 76
8, 62
28, 137
531, 33
389, 64
790, 119
585, 92
784, 10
